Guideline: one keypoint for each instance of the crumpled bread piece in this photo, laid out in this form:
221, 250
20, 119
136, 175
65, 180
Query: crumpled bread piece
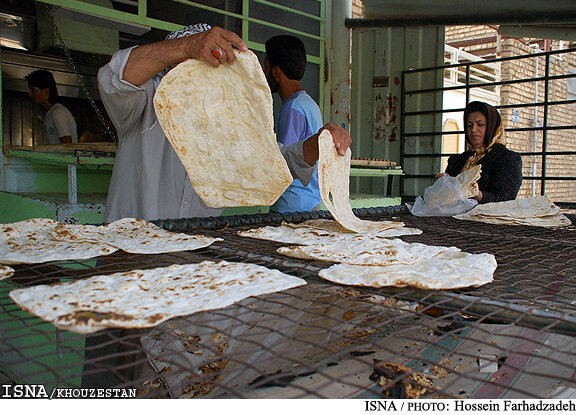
5, 272
220, 123
145, 298
334, 183
469, 181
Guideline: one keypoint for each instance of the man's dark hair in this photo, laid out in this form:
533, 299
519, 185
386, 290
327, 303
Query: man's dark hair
44, 79
288, 53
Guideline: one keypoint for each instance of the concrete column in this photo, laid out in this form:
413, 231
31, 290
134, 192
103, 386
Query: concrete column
338, 57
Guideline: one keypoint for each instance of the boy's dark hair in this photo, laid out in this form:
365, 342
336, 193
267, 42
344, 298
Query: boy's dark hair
288, 53
44, 79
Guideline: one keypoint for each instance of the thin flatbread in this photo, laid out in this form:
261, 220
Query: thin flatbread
469, 181
447, 270
136, 236
145, 298
316, 231
531, 211
31, 242
334, 182
366, 251
220, 123
5, 272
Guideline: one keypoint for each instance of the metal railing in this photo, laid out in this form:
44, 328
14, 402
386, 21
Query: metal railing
466, 78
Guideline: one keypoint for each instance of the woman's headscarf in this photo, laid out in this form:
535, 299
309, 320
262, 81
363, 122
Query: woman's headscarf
494, 132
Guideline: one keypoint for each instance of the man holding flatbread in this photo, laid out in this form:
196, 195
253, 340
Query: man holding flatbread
149, 180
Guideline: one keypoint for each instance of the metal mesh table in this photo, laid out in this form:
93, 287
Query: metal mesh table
512, 338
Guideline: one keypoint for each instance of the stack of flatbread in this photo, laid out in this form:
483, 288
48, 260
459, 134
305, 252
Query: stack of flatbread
139, 299
532, 211
42, 240
220, 123
334, 182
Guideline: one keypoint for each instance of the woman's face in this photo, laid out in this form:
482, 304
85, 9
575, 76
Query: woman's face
476, 128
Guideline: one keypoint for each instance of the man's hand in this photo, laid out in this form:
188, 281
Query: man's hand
341, 139
202, 45
147, 60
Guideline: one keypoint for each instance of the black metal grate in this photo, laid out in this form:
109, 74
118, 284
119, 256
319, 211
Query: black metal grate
512, 338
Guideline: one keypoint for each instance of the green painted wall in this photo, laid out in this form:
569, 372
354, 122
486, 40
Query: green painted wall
16, 207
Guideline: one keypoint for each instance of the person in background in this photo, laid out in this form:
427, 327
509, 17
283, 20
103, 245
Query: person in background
501, 175
299, 117
59, 125
148, 180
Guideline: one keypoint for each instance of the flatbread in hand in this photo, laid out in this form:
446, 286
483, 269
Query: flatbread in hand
446, 270
366, 251
469, 181
316, 231
145, 298
220, 123
5, 272
334, 182
136, 236
31, 242
532, 211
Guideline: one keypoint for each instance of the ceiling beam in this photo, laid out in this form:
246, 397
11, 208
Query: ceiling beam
540, 32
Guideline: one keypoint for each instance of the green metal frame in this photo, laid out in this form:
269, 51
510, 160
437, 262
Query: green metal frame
142, 19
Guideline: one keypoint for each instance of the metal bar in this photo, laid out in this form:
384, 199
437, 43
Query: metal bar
467, 86
527, 153
545, 124
72, 184
113, 14
483, 84
320, 18
142, 8
550, 128
495, 60
402, 125
245, 22
520, 17
250, 19
530, 105
322, 54
62, 158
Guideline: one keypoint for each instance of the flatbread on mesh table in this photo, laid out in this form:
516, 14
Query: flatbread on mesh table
5, 272
533, 211
334, 182
31, 242
366, 251
220, 123
145, 298
136, 236
446, 270
316, 231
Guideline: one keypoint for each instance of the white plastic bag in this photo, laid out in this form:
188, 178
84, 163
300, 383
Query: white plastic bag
443, 198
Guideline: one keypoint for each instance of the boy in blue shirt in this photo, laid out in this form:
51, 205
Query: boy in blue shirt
299, 116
